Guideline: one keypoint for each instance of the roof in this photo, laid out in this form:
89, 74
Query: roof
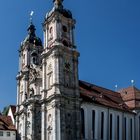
6, 123
131, 97
13, 108
58, 7
6, 110
99, 95
31, 38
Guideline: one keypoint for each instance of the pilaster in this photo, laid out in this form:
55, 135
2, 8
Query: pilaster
43, 122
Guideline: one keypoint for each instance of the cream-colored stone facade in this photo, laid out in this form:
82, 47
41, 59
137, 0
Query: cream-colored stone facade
51, 105
48, 105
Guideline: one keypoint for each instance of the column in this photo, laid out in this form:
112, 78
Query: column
44, 78
43, 122
86, 123
24, 137
32, 121
127, 127
73, 41
57, 124
17, 108
105, 125
113, 126
96, 124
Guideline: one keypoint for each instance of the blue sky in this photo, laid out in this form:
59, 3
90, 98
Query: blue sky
107, 36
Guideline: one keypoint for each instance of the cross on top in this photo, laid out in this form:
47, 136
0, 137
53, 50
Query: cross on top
31, 16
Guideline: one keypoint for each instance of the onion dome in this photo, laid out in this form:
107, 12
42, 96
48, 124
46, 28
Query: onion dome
66, 13
58, 7
31, 37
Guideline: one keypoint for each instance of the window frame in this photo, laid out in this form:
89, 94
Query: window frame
8, 134
1, 133
93, 123
83, 123
102, 125
110, 126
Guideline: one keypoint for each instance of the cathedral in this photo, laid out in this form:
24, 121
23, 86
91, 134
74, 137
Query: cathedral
53, 104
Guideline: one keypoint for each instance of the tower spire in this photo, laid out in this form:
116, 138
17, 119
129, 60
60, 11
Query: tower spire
31, 29
31, 16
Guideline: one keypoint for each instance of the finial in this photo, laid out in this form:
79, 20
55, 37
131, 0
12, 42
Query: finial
31, 16
58, 2
31, 29
132, 82
116, 87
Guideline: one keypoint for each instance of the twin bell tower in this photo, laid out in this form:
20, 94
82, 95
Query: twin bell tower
48, 98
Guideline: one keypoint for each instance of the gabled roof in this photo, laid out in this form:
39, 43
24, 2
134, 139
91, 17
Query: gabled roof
13, 108
6, 123
99, 95
6, 110
131, 97
130, 93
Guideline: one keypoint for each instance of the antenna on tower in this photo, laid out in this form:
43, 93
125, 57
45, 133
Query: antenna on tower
31, 16
132, 82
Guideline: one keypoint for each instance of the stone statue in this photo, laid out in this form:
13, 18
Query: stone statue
31, 92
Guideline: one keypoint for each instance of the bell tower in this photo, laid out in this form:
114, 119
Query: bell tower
60, 94
29, 84
59, 27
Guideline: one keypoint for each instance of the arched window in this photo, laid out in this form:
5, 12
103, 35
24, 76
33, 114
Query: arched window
28, 114
102, 125
51, 30
124, 128
65, 43
131, 129
118, 127
64, 28
110, 126
49, 80
21, 87
50, 67
93, 124
49, 117
67, 79
51, 33
34, 58
20, 127
23, 60
83, 122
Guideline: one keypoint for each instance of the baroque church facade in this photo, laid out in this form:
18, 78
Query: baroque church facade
53, 104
